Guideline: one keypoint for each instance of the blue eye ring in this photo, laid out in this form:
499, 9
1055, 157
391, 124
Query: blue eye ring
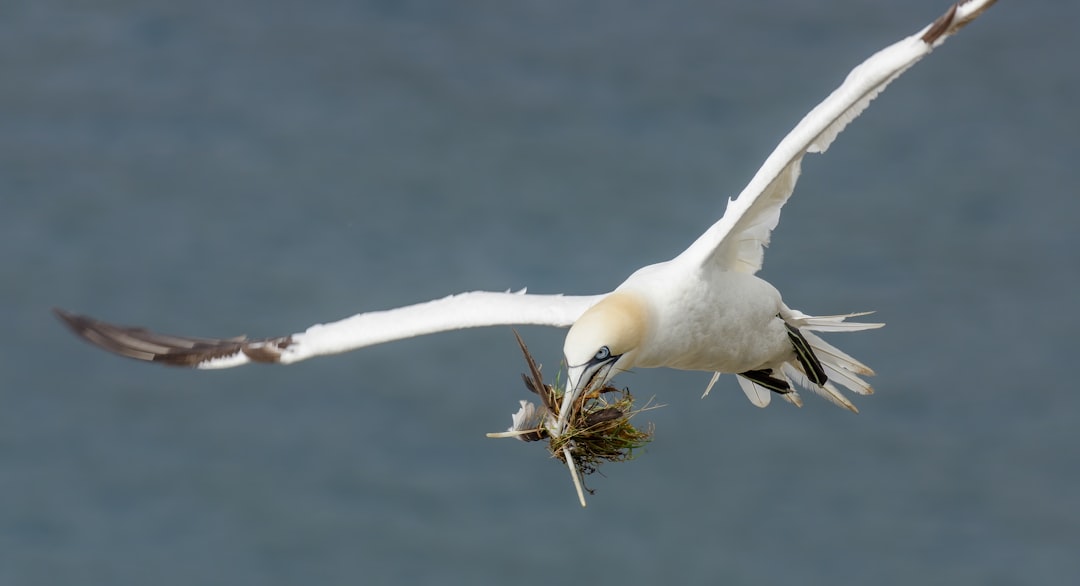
602, 354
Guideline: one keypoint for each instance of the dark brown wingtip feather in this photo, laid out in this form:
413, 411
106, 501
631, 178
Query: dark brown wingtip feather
940, 26
947, 24
534, 381
142, 344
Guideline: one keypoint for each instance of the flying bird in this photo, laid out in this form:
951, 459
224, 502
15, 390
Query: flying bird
703, 310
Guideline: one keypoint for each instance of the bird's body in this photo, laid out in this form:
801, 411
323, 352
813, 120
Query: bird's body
716, 321
703, 310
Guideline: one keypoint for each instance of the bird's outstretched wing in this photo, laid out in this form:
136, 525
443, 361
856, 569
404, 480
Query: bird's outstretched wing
736, 242
466, 310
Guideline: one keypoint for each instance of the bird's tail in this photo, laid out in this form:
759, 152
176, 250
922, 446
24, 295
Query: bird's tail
838, 367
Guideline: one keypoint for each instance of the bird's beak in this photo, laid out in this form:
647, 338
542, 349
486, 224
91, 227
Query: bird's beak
578, 379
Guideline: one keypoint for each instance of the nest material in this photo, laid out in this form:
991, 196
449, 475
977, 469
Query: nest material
598, 429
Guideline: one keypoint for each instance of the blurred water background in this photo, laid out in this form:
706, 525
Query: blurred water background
217, 168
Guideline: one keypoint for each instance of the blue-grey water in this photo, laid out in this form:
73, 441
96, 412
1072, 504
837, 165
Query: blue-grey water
217, 168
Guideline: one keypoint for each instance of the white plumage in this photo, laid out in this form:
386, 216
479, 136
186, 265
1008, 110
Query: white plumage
703, 310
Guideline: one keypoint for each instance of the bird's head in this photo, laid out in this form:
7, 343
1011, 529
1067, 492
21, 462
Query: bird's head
602, 343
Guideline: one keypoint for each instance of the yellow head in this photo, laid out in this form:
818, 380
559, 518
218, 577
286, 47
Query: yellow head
601, 344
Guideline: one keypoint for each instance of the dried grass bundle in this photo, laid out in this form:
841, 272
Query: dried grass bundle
598, 430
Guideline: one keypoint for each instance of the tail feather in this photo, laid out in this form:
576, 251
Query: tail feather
833, 357
849, 381
794, 371
840, 367
828, 323
792, 397
760, 395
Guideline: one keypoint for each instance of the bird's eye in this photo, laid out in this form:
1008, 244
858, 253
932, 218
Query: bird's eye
602, 354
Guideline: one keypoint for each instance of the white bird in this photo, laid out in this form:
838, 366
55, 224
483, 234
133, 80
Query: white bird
703, 310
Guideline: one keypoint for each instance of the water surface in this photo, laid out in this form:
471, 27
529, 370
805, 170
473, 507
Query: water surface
253, 167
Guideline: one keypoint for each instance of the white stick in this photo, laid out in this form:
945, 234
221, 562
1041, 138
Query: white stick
574, 474
715, 376
510, 433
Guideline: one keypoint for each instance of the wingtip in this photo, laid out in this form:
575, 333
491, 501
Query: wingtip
79, 324
66, 317
147, 346
956, 18
940, 26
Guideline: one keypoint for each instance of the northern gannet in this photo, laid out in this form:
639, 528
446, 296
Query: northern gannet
703, 310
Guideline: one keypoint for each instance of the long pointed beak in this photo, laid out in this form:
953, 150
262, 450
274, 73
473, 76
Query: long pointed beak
578, 378
575, 384
573, 390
